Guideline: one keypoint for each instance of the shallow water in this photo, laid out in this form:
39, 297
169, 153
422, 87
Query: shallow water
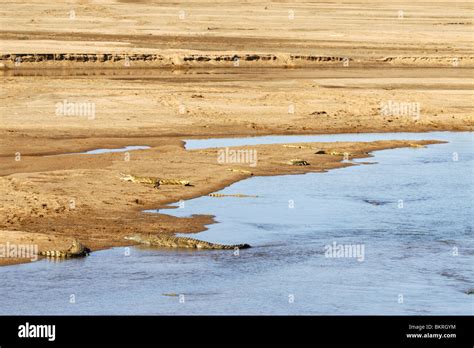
122, 149
101, 151
194, 144
422, 250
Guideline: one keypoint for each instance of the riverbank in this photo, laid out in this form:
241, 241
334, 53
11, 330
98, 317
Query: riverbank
258, 34
49, 200
406, 221
77, 77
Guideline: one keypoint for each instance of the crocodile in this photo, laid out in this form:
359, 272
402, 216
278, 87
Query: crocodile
299, 146
230, 195
171, 241
336, 153
318, 152
323, 152
156, 182
77, 249
242, 171
417, 145
298, 162
174, 182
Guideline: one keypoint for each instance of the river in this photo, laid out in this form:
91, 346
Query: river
407, 218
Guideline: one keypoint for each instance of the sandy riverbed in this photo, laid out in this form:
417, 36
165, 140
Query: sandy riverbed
335, 66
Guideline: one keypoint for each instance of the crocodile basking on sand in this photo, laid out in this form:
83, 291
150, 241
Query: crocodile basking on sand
298, 162
231, 195
77, 249
156, 182
242, 171
323, 152
421, 146
337, 153
292, 146
170, 241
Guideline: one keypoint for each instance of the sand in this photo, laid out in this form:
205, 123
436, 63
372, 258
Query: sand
156, 75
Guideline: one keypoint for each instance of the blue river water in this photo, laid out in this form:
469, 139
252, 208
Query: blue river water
101, 151
408, 219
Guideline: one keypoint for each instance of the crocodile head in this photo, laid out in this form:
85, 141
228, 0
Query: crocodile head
245, 246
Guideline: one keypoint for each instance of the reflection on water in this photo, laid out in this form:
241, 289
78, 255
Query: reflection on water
100, 151
418, 248
193, 144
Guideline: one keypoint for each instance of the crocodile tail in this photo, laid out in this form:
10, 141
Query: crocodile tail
231, 195
54, 253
